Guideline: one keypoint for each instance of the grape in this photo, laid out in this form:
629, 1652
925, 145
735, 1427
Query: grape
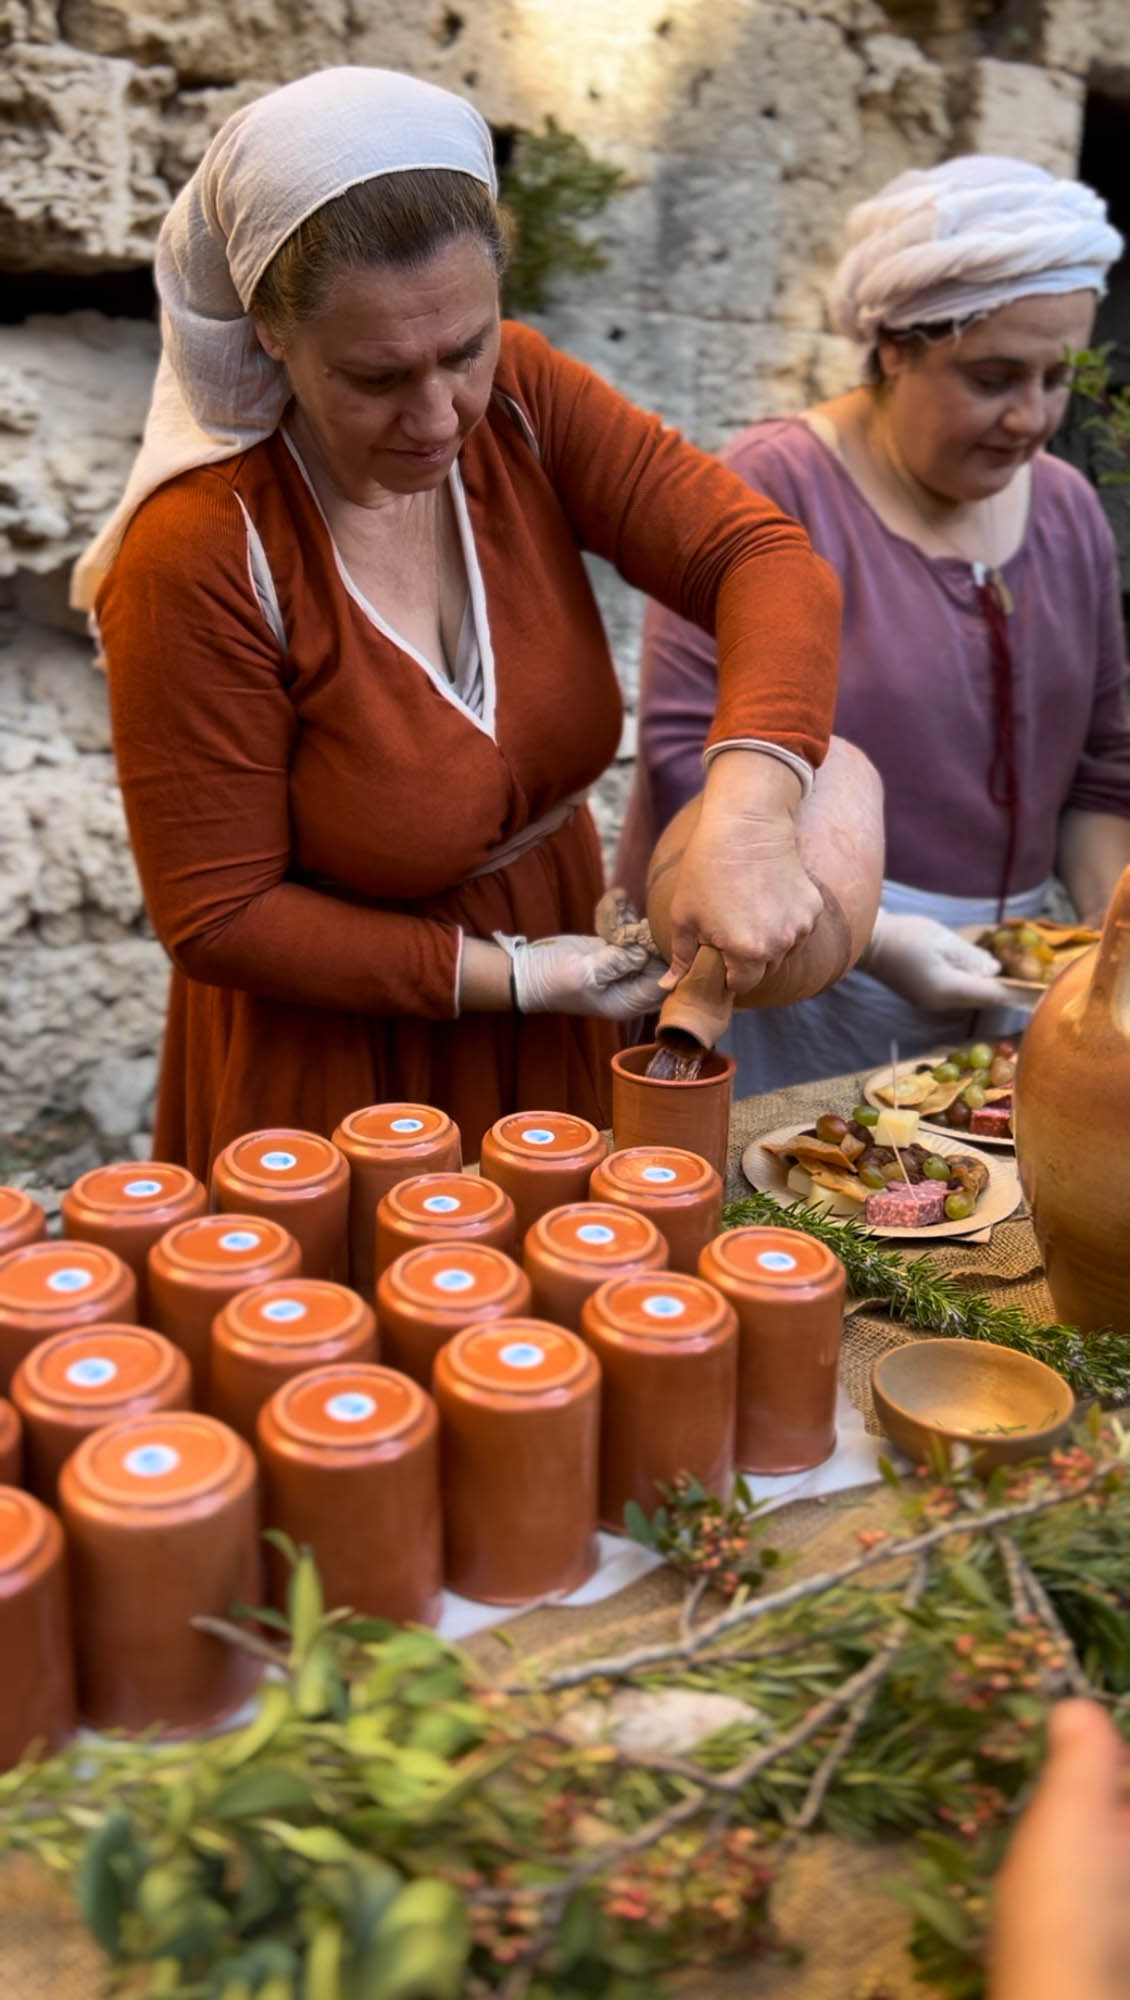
1028, 937
961, 1058
945, 1072
1006, 1049
872, 1177
957, 1117
935, 1168
865, 1114
959, 1206
831, 1129
892, 1172
973, 1095
1001, 1072
980, 1055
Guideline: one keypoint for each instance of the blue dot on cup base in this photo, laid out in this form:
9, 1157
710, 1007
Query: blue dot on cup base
776, 1260
595, 1232
521, 1354
441, 1204
406, 1125
350, 1407
92, 1372
69, 1280
239, 1239
279, 1311
151, 1461
140, 1190
453, 1281
278, 1162
663, 1306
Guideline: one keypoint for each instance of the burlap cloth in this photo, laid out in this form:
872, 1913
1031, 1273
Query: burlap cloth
833, 1903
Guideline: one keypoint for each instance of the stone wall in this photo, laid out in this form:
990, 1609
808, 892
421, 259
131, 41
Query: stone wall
747, 127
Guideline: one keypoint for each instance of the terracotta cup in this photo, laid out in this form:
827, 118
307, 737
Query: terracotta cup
75, 1382
442, 1208
680, 1192
431, 1292
47, 1287
383, 1144
35, 1632
542, 1159
652, 1111
788, 1293
350, 1465
519, 1405
298, 1179
668, 1353
11, 1445
21, 1220
196, 1267
261, 1338
572, 1250
127, 1207
161, 1516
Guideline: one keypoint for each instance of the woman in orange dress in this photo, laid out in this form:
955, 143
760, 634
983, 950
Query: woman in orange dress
359, 681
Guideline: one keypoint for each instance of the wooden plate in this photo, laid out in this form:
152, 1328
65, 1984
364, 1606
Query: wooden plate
1000, 1198
883, 1076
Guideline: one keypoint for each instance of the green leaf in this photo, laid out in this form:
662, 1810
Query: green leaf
320, 1844
274, 1708
419, 1949
99, 1885
580, 1931
283, 1543
305, 1603
324, 1961
638, 1525
271, 1788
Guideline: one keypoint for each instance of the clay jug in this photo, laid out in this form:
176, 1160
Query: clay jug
845, 862
1071, 1112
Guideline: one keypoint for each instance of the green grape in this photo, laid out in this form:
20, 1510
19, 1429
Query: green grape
980, 1055
892, 1171
974, 1096
872, 1177
935, 1168
865, 1114
1027, 937
959, 1206
962, 1059
945, 1072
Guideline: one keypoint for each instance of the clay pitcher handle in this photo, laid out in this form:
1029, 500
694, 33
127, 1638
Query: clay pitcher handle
1109, 990
701, 1004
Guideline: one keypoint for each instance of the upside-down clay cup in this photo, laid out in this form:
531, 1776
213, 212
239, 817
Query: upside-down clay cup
386, 1143
21, 1220
75, 1382
653, 1111
298, 1179
263, 1337
668, 1353
572, 1250
47, 1287
161, 1518
350, 1466
127, 1207
196, 1267
431, 1292
679, 1191
11, 1445
442, 1208
519, 1405
542, 1158
788, 1293
35, 1635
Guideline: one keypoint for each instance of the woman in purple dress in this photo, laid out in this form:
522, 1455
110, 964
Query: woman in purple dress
983, 662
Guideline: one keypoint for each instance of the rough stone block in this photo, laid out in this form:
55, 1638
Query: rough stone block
65, 1013
218, 43
1031, 113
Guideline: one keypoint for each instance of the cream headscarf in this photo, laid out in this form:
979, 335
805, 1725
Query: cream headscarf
955, 241
268, 168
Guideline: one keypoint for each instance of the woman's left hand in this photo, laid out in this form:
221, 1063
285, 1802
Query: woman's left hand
741, 886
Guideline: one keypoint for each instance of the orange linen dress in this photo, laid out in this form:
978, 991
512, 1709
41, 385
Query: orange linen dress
308, 817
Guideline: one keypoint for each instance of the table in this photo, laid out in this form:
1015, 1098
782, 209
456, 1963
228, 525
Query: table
833, 1898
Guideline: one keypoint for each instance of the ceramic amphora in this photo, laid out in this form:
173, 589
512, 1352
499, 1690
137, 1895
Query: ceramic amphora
1071, 1118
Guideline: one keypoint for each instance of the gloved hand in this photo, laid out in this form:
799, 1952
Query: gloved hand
931, 966
583, 975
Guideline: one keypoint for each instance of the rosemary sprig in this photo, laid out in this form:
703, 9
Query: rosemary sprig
920, 1295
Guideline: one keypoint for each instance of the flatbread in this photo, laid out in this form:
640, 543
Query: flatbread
809, 1153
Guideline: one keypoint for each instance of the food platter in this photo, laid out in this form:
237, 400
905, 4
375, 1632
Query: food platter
880, 1079
1000, 1198
1061, 943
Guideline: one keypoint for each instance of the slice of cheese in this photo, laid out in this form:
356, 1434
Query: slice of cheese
896, 1128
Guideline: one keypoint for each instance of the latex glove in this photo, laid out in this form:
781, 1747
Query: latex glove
583, 975
932, 966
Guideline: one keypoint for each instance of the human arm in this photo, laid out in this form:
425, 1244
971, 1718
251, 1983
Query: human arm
1094, 827
1094, 849
1061, 1918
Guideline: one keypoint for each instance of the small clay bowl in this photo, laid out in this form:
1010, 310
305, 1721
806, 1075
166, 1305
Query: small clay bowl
350, 1468
572, 1250
1003, 1405
298, 1179
11, 1445
430, 1292
197, 1266
75, 1382
128, 1207
263, 1337
162, 1524
680, 1192
35, 1633
542, 1159
47, 1287
386, 1143
21, 1220
443, 1208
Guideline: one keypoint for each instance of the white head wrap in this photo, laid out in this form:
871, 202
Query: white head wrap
268, 168
958, 240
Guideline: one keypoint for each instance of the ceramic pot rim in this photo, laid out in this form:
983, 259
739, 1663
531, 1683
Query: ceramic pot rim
440, 1127
100, 1391
271, 1241
33, 1531
617, 1231
511, 1135
705, 1180
175, 1185
277, 1312
477, 1360
288, 1144
148, 1498
63, 1255
350, 1434
406, 1201
718, 1069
